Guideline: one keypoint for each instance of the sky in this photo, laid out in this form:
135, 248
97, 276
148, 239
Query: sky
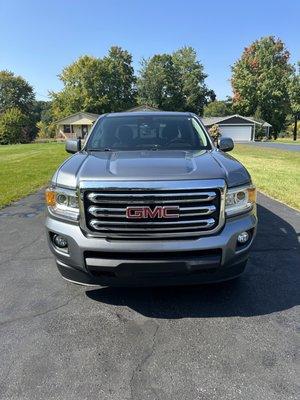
39, 38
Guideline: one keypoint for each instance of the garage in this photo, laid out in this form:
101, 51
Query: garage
237, 133
237, 127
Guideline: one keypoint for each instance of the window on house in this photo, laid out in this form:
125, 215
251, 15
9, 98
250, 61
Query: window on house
68, 129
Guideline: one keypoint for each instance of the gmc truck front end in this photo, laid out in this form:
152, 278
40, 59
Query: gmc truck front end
150, 200
121, 233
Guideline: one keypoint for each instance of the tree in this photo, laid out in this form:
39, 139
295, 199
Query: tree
218, 108
158, 84
42, 111
96, 85
120, 83
191, 80
15, 91
260, 80
14, 127
44, 118
174, 82
17, 102
83, 88
294, 91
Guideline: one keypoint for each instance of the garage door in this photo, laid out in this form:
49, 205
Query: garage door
236, 132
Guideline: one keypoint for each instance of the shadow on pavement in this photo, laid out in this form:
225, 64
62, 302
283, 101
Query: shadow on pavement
271, 283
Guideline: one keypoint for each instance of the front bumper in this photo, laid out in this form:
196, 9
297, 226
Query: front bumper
100, 261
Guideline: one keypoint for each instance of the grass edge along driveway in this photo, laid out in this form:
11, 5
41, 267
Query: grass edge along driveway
28, 167
25, 168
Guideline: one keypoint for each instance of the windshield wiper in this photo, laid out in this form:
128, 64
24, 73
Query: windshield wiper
105, 149
155, 147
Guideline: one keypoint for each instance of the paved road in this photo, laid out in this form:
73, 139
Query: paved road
227, 341
281, 146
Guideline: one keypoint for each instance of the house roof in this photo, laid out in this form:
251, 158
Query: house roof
211, 120
207, 121
143, 107
267, 124
83, 121
146, 113
81, 115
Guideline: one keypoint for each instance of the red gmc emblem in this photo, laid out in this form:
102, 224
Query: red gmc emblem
157, 212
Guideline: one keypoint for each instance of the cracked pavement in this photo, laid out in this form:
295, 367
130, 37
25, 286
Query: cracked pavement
236, 340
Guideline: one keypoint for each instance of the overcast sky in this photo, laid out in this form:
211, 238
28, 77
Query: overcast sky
38, 38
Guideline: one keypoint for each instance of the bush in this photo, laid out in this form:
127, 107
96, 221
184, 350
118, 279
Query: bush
260, 132
46, 131
290, 129
14, 127
285, 135
215, 133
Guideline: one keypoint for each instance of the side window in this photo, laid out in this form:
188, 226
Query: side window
199, 131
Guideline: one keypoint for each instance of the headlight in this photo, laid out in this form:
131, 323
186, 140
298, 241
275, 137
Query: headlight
239, 200
63, 203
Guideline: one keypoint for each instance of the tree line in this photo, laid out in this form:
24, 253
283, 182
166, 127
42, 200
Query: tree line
265, 85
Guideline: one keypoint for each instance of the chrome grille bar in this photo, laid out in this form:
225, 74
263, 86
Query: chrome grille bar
96, 222
129, 197
132, 200
105, 212
137, 228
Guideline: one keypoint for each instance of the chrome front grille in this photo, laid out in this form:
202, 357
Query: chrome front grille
200, 211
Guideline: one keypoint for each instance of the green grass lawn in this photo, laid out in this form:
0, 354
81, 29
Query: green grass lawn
286, 140
24, 168
275, 172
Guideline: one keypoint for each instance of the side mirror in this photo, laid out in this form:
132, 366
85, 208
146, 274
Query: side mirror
73, 145
226, 144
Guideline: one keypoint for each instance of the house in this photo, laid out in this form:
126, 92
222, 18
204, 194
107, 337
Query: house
76, 125
237, 127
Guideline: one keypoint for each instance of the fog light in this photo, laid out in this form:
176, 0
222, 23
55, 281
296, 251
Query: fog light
60, 241
243, 237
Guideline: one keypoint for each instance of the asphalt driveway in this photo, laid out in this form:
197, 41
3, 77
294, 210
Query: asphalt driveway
273, 145
236, 340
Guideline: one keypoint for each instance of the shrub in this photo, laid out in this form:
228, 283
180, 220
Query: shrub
14, 127
260, 132
46, 131
290, 129
215, 133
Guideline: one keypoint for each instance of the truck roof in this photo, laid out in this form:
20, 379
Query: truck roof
145, 113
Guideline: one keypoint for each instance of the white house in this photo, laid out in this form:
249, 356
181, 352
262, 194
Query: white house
76, 125
239, 128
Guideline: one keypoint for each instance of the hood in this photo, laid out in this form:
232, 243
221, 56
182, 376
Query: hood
150, 165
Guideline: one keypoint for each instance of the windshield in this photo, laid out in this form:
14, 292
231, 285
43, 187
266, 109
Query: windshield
148, 133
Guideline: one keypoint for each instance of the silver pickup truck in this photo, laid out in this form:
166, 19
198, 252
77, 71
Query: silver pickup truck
150, 200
